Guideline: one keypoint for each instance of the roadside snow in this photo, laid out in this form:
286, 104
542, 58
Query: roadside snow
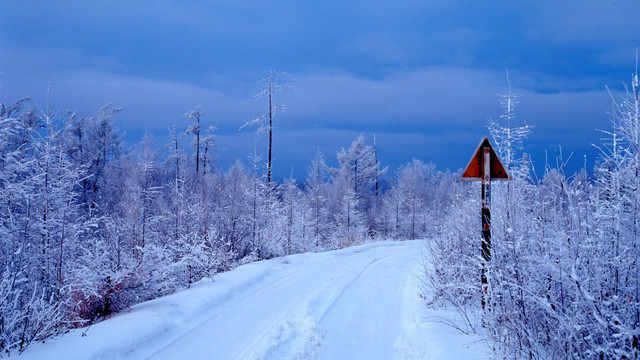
356, 303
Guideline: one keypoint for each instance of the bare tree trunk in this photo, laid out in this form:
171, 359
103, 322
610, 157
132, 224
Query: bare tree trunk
198, 146
270, 132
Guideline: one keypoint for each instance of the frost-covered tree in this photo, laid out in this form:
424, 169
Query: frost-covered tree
58, 208
209, 155
350, 221
195, 116
416, 187
316, 196
271, 86
296, 218
233, 219
358, 173
358, 168
37, 227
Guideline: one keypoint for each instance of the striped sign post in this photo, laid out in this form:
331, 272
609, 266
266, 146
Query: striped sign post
485, 166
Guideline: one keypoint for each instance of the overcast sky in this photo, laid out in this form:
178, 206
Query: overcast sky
423, 76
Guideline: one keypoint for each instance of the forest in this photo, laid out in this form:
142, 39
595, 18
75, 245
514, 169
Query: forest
89, 227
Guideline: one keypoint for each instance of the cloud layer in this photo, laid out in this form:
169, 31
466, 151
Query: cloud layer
423, 76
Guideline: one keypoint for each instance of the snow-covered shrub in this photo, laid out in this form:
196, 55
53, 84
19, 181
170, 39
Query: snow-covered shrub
452, 271
27, 313
563, 279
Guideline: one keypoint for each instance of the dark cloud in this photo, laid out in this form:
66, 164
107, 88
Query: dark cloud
424, 76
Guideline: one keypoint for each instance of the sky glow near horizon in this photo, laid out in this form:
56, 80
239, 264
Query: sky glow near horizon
424, 77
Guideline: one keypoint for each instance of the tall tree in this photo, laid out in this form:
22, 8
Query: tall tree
271, 86
209, 156
194, 128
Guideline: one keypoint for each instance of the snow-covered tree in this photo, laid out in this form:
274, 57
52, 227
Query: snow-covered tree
209, 155
356, 178
271, 86
195, 116
316, 196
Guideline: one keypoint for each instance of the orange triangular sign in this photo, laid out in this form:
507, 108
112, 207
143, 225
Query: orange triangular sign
474, 171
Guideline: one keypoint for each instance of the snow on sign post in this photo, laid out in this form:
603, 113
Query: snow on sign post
485, 166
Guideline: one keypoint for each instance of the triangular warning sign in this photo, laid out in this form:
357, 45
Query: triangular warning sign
474, 170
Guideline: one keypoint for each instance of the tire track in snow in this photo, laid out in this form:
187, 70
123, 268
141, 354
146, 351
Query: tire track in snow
365, 320
278, 315
225, 304
298, 336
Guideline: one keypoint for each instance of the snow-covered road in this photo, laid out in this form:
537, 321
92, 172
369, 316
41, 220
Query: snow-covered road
356, 303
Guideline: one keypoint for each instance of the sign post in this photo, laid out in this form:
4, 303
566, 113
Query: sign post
485, 166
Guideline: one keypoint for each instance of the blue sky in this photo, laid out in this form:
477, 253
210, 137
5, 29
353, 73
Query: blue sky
424, 76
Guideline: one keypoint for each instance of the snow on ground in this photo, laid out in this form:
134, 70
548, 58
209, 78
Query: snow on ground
356, 303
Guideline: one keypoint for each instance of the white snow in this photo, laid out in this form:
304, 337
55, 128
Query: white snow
356, 303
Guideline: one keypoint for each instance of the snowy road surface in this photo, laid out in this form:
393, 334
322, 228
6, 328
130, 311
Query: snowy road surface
356, 303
